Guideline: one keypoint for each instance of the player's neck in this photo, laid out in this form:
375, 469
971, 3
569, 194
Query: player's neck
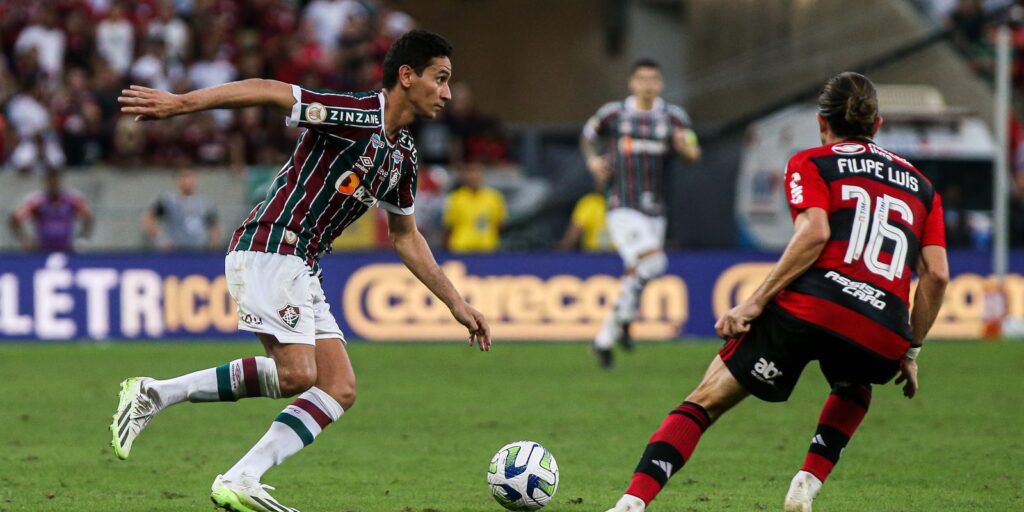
644, 103
397, 113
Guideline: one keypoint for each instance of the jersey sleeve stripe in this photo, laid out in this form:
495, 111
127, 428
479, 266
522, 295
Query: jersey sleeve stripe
292, 121
396, 209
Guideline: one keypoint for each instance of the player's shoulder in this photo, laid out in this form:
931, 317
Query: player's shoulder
802, 159
677, 111
33, 198
368, 96
897, 159
360, 109
611, 108
406, 140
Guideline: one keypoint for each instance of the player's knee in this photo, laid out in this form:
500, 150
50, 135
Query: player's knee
344, 394
858, 393
652, 266
712, 399
295, 379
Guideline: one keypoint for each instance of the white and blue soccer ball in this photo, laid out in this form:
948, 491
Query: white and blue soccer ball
523, 476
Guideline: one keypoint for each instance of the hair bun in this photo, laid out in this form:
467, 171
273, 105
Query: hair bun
861, 109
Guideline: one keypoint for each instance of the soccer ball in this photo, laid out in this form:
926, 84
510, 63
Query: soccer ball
523, 476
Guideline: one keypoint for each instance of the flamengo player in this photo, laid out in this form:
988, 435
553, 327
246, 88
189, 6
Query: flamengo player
864, 218
354, 153
638, 132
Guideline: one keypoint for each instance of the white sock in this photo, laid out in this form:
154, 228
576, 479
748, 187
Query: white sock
294, 428
241, 378
606, 336
629, 299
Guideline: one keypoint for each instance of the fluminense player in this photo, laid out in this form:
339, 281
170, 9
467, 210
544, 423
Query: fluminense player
864, 220
627, 146
354, 153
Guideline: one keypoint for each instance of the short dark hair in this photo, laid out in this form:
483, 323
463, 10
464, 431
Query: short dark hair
644, 63
849, 103
415, 49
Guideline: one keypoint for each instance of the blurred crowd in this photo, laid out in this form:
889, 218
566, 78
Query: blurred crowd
974, 25
64, 62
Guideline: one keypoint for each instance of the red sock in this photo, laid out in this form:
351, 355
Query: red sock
839, 419
668, 449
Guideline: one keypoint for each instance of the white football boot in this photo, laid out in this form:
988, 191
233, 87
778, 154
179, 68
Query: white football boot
629, 503
802, 491
246, 495
134, 410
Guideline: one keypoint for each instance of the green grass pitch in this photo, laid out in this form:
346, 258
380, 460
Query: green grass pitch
430, 416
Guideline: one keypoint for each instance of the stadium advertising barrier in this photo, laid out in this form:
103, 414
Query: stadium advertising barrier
525, 296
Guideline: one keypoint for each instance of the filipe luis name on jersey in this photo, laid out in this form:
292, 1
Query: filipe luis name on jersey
880, 170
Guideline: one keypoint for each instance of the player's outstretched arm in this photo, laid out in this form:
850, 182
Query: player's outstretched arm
148, 104
415, 253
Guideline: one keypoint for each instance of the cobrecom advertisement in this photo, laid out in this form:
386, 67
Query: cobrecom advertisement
539, 297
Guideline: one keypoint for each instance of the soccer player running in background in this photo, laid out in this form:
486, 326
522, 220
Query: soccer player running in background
864, 219
627, 146
354, 153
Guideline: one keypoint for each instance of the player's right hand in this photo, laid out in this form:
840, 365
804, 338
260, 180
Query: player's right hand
908, 373
737, 320
599, 167
479, 332
148, 104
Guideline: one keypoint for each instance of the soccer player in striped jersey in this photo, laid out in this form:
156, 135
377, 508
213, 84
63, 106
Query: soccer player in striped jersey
864, 220
627, 146
354, 153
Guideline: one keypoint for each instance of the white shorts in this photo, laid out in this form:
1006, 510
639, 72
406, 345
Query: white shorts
635, 233
276, 295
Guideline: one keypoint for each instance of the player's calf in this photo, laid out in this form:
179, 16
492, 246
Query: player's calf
296, 427
842, 414
242, 378
296, 378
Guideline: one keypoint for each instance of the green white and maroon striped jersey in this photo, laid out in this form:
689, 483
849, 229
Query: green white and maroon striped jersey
342, 165
638, 146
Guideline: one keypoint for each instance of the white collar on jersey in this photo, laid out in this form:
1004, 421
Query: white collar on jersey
630, 103
383, 127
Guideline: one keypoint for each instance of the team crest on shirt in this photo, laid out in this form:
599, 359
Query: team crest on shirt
316, 113
396, 173
290, 237
290, 315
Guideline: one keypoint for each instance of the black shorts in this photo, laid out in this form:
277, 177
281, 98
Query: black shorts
768, 359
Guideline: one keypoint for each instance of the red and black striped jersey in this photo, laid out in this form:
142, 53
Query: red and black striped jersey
343, 164
638, 147
881, 212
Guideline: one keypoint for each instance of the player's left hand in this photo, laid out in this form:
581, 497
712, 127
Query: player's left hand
479, 332
148, 104
737, 320
908, 373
